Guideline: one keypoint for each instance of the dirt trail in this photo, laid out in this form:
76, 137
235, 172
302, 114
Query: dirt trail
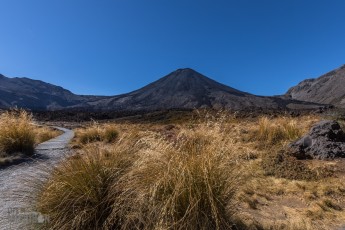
15, 187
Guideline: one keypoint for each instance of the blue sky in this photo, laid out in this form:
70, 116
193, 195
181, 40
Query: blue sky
108, 47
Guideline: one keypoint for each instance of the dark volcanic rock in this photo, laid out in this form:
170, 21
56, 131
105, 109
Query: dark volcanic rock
326, 140
327, 89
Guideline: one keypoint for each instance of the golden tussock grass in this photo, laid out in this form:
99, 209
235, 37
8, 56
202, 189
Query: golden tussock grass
19, 135
44, 133
272, 131
207, 174
186, 185
17, 132
95, 133
145, 183
76, 195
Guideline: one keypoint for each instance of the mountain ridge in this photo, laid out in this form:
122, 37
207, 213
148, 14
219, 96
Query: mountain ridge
36, 94
187, 89
181, 89
326, 89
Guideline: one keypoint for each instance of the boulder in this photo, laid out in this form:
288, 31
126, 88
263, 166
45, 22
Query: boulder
325, 140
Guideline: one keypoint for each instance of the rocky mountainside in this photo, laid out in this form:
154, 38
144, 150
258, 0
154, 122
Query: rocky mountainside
34, 94
181, 89
188, 89
327, 89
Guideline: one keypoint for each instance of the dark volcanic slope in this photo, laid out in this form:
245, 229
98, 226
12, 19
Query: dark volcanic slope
181, 89
34, 94
188, 89
327, 89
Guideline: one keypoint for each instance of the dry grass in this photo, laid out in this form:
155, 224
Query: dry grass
186, 185
76, 196
19, 135
44, 133
275, 131
96, 133
213, 173
17, 132
145, 183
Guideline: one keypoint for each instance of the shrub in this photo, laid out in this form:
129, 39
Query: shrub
17, 132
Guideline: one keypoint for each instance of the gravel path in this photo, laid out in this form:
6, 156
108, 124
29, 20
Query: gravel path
16, 190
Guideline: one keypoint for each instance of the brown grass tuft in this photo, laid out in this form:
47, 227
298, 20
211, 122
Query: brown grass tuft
188, 186
44, 133
145, 183
76, 195
17, 132
275, 131
96, 133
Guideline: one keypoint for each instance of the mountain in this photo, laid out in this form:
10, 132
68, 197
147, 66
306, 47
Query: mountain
327, 89
181, 89
188, 89
34, 94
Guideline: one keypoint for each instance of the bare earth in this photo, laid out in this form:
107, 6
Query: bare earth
16, 191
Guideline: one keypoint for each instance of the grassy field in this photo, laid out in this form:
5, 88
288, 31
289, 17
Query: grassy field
214, 171
19, 135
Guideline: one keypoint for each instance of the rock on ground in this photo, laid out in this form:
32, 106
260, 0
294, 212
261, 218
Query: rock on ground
325, 140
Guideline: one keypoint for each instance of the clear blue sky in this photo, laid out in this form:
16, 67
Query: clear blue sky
110, 47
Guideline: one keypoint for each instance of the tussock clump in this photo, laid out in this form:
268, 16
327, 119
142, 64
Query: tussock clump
95, 133
89, 135
275, 131
17, 132
189, 185
110, 133
45, 133
76, 196
145, 182
203, 176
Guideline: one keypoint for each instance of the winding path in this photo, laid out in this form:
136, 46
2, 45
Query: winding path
16, 187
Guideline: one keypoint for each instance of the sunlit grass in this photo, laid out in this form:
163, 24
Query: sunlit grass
17, 132
214, 174
44, 133
96, 133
